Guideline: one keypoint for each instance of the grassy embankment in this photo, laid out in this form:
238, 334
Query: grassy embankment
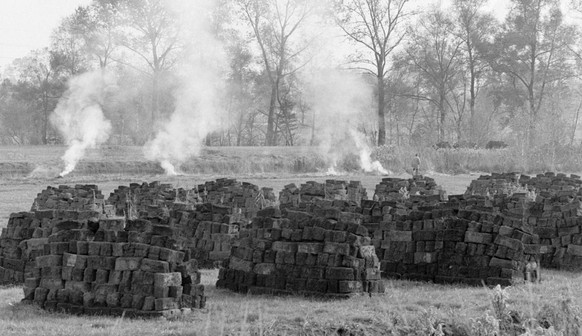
44, 161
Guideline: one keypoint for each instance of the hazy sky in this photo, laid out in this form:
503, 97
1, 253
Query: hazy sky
26, 25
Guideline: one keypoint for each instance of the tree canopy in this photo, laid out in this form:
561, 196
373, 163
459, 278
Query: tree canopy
437, 74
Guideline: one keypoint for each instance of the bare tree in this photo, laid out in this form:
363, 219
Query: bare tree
474, 28
153, 35
46, 83
374, 24
97, 27
67, 46
532, 51
17, 113
434, 55
240, 102
275, 26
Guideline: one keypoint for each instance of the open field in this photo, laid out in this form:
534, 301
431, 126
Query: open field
407, 308
44, 161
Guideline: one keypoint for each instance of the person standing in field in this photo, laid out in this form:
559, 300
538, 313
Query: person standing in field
415, 165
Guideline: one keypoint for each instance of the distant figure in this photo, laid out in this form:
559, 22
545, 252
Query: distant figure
415, 165
532, 272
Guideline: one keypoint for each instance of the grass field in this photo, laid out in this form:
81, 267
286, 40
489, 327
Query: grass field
407, 308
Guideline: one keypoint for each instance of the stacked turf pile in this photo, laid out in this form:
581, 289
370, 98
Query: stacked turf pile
14, 262
550, 184
244, 197
553, 184
391, 189
352, 191
77, 198
137, 271
138, 200
206, 232
418, 190
27, 232
212, 242
442, 244
552, 208
205, 219
148, 199
324, 252
476, 202
494, 184
556, 218
470, 239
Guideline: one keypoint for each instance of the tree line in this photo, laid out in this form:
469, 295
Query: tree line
458, 74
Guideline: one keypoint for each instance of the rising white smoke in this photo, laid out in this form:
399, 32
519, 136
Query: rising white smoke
79, 117
365, 153
340, 101
200, 77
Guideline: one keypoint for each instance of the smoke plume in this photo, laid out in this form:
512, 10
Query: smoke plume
365, 153
79, 117
341, 103
198, 111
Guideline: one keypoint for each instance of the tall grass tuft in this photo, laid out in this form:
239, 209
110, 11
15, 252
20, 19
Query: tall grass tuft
562, 319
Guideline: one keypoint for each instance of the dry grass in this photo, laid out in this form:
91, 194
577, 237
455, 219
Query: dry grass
40, 154
303, 159
407, 308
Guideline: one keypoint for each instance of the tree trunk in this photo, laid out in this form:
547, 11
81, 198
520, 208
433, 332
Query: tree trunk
239, 136
532, 119
45, 120
155, 99
459, 130
442, 117
472, 93
122, 131
312, 140
270, 136
398, 137
575, 124
381, 117
391, 126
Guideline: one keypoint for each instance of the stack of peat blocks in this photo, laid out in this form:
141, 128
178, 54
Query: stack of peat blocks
244, 197
27, 232
494, 184
139, 200
133, 271
551, 205
352, 191
206, 232
324, 252
419, 190
75, 253
446, 246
